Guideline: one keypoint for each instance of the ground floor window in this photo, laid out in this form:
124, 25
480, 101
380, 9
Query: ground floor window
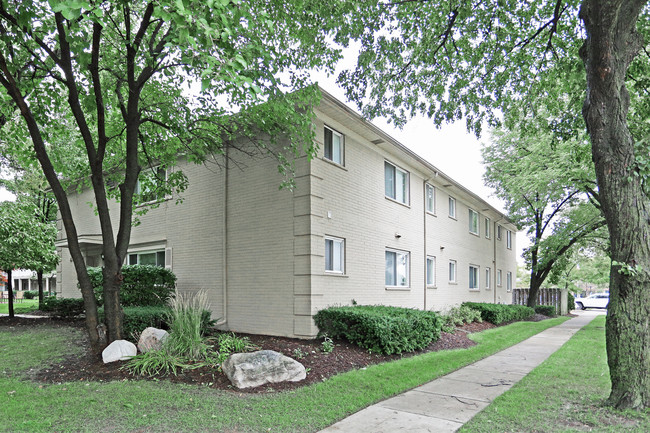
397, 268
155, 258
488, 277
452, 271
498, 277
509, 281
334, 255
431, 271
473, 277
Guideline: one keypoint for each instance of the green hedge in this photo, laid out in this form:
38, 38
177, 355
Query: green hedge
381, 329
501, 313
64, 308
136, 319
571, 302
143, 285
30, 294
547, 310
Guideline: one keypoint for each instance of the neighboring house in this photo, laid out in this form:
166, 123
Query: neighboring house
368, 222
26, 280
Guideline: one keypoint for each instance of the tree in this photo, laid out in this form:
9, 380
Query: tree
117, 78
546, 183
474, 60
26, 242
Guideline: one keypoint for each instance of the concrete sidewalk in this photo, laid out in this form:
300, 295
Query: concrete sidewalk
448, 402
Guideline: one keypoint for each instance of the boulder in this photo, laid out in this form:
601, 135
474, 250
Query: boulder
119, 350
248, 370
152, 339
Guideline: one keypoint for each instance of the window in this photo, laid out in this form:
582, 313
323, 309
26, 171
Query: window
498, 232
509, 239
452, 207
430, 194
473, 222
488, 277
397, 183
487, 228
333, 146
151, 185
431, 271
452, 271
473, 277
397, 268
334, 255
498, 277
509, 281
155, 258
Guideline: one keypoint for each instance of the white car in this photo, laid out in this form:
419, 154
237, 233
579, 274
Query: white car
597, 300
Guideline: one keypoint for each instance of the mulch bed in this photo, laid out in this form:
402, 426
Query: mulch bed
319, 365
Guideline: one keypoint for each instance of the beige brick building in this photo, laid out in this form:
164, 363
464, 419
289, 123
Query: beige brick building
369, 221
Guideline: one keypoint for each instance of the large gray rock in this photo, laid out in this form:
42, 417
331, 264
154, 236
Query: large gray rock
248, 370
152, 339
119, 350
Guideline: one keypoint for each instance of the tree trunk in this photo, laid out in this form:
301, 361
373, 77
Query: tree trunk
612, 43
39, 279
113, 315
535, 284
10, 293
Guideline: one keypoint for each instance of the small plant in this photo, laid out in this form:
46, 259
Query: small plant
327, 346
229, 343
458, 316
298, 353
30, 294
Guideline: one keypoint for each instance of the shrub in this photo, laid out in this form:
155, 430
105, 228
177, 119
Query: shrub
571, 302
143, 285
64, 308
136, 319
457, 316
501, 313
379, 328
546, 310
30, 294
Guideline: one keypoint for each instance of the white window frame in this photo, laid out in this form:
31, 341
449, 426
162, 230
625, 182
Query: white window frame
138, 186
487, 227
405, 190
474, 222
498, 232
329, 149
508, 239
338, 266
499, 282
430, 198
488, 277
476, 271
137, 255
453, 271
452, 207
508, 281
431, 271
406, 280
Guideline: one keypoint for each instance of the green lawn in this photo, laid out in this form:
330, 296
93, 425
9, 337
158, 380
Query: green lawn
574, 383
162, 406
23, 307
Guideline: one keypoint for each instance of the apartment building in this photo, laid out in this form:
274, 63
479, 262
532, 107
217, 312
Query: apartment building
368, 222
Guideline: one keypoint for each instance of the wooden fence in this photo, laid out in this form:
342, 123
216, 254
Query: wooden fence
554, 297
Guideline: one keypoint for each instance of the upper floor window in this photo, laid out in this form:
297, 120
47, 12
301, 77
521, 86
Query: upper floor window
498, 232
473, 277
509, 239
334, 255
151, 185
396, 183
473, 222
431, 271
452, 207
487, 227
397, 268
155, 258
333, 146
430, 197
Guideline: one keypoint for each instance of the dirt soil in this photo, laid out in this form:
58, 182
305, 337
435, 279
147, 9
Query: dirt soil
319, 365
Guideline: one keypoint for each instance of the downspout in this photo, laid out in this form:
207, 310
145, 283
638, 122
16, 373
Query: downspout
224, 245
424, 190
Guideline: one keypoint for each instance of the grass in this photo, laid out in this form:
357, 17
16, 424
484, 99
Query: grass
574, 382
163, 406
23, 307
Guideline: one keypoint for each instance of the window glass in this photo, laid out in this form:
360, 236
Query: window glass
431, 271
397, 269
154, 258
499, 277
488, 277
473, 277
452, 271
151, 185
487, 227
333, 146
509, 281
396, 182
334, 255
452, 207
498, 232
430, 199
509, 239
473, 222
